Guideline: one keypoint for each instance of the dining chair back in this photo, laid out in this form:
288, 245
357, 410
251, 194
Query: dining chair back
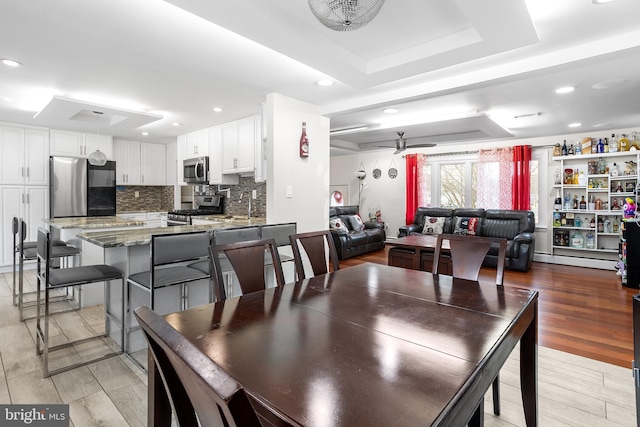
468, 253
198, 389
50, 279
245, 260
315, 249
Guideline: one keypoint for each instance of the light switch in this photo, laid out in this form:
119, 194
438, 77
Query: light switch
289, 191
254, 194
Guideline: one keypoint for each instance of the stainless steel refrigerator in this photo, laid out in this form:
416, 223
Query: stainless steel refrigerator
77, 188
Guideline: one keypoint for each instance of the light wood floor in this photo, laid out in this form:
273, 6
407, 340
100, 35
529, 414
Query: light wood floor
582, 311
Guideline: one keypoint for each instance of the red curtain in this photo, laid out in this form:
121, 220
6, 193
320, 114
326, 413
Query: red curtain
411, 187
521, 186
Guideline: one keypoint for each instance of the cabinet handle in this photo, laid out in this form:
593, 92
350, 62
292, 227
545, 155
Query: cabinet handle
23, 198
123, 179
27, 171
28, 201
235, 163
22, 171
142, 176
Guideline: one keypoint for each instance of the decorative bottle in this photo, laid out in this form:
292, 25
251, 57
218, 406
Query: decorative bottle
624, 143
577, 241
304, 141
613, 144
606, 145
614, 170
582, 179
557, 204
583, 203
565, 150
591, 241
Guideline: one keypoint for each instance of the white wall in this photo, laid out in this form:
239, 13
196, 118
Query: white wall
392, 192
385, 192
307, 177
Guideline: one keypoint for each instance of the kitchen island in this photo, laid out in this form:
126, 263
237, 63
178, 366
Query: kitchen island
129, 250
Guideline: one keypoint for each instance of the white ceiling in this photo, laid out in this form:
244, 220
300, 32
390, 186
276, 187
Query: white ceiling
457, 70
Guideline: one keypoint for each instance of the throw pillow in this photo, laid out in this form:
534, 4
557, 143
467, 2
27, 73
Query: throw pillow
467, 226
356, 222
336, 223
433, 225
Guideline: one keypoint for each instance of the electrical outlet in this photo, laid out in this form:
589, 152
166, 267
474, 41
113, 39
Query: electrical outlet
136, 194
254, 194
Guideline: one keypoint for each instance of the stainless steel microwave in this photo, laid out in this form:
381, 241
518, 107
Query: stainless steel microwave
196, 171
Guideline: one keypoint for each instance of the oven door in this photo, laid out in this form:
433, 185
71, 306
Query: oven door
176, 222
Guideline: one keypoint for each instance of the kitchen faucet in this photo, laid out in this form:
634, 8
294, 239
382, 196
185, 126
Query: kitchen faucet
249, 211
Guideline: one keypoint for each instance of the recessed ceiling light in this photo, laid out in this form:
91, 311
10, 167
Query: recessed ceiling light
325, 82
145, 133
575, 125
348, 130
217, 110
390, 110
608, 84
176, 124
565, 89
601, 1
10, 62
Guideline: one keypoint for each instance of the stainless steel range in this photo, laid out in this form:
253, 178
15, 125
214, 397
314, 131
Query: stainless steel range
207, 205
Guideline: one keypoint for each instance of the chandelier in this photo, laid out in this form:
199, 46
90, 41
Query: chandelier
345, 15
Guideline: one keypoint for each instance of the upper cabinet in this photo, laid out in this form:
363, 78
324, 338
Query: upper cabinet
197, 144
75, 144
128, 163
238, 146
154, 159
181, 155
24, 156
215, 159
139, 163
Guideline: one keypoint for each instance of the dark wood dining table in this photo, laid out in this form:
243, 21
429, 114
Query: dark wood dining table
368, 345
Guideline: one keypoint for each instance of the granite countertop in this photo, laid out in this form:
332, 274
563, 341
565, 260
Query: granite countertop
142, 236
92, 222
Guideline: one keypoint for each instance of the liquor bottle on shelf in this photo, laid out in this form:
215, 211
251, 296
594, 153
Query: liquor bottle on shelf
565, 150
577, 241
606, 145
582, 179
600, 225
624, 143
613, 145
567, 201
557, 204
600, 146
578, 148
592, 224
583, 203
575, 202
591, 241
635, 142
614, 171
577, 222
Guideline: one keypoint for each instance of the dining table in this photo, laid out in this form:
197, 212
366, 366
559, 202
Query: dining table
367, 345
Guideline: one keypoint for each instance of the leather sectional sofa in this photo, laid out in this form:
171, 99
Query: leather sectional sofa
518, 227
348, 240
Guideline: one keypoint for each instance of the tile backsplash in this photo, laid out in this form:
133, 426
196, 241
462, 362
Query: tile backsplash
239, 206
149, 198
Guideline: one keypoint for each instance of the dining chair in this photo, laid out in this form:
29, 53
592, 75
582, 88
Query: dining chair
200, 392
467, 254
315, 249
50, 279
28, 251
246, 261
170, 255
280, 233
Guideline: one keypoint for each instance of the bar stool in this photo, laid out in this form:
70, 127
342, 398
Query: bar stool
50, 279
16, 250
31, 254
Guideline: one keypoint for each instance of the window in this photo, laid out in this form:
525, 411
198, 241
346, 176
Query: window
452, 185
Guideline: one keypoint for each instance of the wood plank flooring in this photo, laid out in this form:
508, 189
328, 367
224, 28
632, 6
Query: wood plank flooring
583, 311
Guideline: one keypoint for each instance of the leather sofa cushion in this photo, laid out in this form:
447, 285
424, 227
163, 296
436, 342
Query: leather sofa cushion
374, 235
358, 238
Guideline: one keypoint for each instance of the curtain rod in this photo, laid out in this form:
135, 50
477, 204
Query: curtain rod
465, 153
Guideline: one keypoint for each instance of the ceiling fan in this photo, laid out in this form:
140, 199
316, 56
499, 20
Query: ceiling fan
401, 144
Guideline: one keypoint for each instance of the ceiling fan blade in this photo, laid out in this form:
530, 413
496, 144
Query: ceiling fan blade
422, 145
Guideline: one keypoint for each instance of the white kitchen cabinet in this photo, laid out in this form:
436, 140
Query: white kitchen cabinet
181, 154
27, 202
153, 159
198, 144
215, 159
24, 156
127, 157
76, 144
238, 146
